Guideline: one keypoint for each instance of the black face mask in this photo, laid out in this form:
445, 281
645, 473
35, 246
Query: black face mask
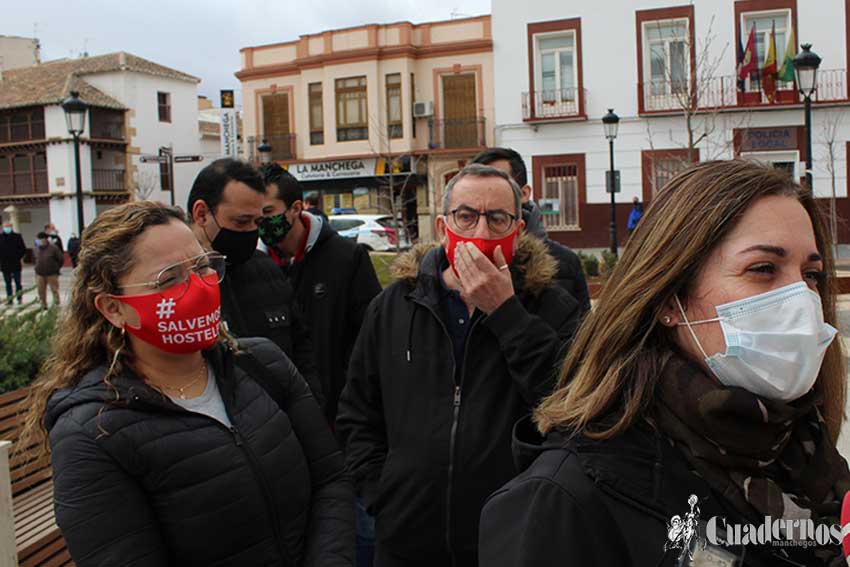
238, 246
273, 229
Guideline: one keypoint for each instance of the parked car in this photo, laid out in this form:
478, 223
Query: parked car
375, 232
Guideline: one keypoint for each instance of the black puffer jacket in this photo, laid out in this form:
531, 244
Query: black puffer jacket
334, 284
604, 503
258, 300
424, 450
151, 484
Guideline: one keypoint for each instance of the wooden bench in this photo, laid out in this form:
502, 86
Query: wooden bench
37, 539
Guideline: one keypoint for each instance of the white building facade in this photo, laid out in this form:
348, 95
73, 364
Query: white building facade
559, 66
136, 108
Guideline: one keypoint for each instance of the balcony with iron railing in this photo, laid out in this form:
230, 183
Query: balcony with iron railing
107, 131
451, 133
552, 104
723, 93
108, 180
106, 124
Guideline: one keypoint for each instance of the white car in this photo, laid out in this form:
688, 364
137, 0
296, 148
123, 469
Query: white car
375, 232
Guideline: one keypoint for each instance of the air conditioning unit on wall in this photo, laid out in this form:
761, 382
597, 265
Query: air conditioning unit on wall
423, 109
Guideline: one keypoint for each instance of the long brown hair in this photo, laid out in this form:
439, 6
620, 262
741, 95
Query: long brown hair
609, 376
84, 340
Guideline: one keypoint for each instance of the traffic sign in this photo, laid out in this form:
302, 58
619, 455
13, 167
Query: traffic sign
147, 158
184, 159
615, 182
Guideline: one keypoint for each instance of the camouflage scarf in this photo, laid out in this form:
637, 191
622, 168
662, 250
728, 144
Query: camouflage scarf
764, 457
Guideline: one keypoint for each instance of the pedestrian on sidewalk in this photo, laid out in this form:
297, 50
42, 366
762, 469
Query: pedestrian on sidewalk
48, 262
173, 443
12, 251
74, 249
634, 216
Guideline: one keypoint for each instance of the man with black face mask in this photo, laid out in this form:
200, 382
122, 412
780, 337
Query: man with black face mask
257, 299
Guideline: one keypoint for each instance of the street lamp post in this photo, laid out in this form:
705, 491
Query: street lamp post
611, 122
265, 150
75, 119
806, 65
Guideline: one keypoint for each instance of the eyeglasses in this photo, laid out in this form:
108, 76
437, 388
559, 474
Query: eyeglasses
174, 279
466, 219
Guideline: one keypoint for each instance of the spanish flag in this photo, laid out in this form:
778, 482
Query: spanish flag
786, 73
768, 72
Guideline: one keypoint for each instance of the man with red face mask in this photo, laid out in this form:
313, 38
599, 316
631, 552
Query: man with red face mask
449, 357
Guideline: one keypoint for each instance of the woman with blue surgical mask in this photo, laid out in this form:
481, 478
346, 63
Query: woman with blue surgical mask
699, 405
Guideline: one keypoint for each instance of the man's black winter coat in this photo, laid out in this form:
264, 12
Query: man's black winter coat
257, 300
424, 450
150, 484
334, 284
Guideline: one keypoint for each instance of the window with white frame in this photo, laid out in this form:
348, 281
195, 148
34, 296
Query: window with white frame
556, 67
764, 23
559, 203
666, 50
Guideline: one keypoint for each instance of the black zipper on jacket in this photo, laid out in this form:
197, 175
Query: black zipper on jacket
264, 484
456, 401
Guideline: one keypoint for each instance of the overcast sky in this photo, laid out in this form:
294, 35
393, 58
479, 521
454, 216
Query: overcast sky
203, 37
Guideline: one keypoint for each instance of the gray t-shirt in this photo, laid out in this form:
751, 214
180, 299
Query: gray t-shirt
208, 403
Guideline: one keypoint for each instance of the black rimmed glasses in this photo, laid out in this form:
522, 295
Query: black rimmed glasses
173, 280
498, 221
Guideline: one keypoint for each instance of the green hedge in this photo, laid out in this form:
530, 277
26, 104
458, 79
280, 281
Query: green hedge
26, 333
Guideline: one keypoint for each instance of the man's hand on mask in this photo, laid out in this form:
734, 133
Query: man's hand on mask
483, 284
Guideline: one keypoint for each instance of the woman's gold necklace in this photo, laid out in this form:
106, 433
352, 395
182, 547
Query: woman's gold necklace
181, 391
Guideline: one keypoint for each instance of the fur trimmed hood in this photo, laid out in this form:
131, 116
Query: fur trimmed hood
531, 262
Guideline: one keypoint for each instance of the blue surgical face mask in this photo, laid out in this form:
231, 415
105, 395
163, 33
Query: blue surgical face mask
7, 229
775, 342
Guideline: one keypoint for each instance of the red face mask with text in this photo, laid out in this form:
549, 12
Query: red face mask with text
486, 245
178, 325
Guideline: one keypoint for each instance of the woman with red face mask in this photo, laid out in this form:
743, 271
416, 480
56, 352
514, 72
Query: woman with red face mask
173, 443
